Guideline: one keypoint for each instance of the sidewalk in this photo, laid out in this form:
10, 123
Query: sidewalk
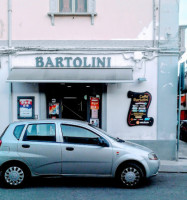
176, 166
173, 166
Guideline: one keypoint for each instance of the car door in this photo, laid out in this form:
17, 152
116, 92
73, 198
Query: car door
81, 153
40, 149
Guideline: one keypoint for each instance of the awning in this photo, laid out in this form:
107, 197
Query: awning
71, 75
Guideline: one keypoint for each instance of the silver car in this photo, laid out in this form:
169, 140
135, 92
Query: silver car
71, 148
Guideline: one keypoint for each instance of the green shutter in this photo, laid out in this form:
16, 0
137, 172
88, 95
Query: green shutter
60, 5
85, 5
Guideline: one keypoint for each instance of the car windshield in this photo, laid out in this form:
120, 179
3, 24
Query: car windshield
104, 132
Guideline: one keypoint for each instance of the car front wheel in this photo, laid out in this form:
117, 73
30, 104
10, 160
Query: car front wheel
130, 175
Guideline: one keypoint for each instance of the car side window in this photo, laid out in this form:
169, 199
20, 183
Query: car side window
18, 130
40, 132
79, 135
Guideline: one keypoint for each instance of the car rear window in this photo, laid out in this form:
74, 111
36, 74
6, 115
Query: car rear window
18, 130
40, 132
4, 132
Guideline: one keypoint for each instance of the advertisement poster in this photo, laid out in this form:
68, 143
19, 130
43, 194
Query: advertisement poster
54, 109
94, 114
25, 108
94, 122
138, 110
94, 103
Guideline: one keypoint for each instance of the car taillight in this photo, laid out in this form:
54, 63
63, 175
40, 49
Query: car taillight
0, 142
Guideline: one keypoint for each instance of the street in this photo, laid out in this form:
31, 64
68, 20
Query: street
165, 186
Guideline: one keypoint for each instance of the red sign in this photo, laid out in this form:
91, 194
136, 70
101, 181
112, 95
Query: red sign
94, 103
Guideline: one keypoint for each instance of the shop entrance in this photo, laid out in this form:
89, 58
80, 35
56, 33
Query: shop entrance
75, 101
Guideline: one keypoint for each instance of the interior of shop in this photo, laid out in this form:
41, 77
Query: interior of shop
74, 101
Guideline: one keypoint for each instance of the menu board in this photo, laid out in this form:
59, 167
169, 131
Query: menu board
138, 110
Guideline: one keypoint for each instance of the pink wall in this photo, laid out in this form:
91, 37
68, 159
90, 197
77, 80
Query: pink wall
116, 19
3, 19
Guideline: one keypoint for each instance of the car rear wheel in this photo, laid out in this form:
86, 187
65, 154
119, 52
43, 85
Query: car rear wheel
130, 175
14, 175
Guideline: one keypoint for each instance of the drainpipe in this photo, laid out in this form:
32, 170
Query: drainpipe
10, 56
154, 23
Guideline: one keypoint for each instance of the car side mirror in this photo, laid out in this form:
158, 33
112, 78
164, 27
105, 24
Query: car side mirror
102, 142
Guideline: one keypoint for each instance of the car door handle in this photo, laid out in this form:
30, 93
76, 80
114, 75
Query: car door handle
26, 146
69, 148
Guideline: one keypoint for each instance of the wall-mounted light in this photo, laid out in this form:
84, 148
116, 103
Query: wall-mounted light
142, 79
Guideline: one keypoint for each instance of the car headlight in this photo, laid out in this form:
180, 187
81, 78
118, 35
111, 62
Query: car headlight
152, 156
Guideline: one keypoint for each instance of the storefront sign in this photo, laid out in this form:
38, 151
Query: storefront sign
73, 62
25, 107
94, 103
138, 110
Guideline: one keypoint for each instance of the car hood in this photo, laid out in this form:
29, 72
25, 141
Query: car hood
138, 146
133, 146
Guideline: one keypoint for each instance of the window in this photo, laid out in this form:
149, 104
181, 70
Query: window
40, 132
73, 6
75, 134
18, 130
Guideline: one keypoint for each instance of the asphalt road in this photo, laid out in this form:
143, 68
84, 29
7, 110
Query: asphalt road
165, 186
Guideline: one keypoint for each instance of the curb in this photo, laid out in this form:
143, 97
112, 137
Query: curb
179, 166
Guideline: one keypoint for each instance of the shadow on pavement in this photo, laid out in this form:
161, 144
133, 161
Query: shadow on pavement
78, 182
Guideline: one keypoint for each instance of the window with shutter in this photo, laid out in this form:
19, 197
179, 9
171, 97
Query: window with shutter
72, 8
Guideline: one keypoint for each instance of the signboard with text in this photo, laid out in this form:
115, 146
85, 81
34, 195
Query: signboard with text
25, 107
94, 103
138, 109
72, 60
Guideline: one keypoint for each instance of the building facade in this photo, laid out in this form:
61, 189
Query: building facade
111, 63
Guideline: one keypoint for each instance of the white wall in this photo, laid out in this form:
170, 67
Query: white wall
25, 89
118, 105
4, 94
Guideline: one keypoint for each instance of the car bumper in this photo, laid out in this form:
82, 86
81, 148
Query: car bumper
153, 166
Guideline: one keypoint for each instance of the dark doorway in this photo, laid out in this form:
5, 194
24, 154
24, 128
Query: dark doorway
72, 101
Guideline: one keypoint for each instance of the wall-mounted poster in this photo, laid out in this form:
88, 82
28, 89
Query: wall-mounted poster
138, 110
94, 103
53, 108
94, 122
94, 114
25, 107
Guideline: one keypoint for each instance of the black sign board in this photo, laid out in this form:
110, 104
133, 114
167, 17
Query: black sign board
138, 110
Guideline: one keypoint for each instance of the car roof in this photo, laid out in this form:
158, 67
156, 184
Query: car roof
72, 121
